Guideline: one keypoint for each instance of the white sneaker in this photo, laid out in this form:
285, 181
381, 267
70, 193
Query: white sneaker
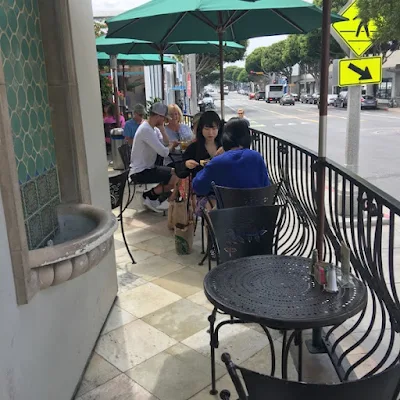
152, 205
163, 206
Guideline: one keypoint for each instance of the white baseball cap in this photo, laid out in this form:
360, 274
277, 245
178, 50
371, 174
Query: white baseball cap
160, 109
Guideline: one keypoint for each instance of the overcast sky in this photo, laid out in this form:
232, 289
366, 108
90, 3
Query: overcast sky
114, 7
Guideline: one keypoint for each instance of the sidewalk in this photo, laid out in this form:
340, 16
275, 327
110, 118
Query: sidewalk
155, 343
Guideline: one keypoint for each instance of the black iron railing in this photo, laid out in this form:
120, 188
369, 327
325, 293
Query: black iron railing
365, 219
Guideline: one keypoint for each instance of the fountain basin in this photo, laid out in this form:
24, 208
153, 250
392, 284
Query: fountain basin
85, 237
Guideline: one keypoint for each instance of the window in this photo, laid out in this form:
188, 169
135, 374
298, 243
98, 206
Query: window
385, 89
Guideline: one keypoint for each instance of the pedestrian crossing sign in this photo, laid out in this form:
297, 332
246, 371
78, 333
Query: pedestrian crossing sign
357, 35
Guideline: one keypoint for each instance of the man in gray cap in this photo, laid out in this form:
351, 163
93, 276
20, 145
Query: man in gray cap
131, 126
151, 140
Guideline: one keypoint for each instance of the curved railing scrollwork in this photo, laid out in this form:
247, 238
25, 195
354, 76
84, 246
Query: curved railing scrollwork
367, 220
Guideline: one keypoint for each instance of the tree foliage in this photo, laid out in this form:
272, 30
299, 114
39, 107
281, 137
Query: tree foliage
100, 28
254, 60
386, 13
281, 57
207, 63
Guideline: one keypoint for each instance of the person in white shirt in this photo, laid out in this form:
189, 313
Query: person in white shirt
242, 116
150, 141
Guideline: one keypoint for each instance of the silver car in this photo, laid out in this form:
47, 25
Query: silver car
368, 102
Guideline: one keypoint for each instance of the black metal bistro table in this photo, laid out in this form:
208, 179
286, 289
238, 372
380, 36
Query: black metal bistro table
277, 292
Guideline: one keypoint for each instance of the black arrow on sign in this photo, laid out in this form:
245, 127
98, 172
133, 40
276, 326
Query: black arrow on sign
364, 73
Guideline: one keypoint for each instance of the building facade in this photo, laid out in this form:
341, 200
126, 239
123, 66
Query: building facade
56, 286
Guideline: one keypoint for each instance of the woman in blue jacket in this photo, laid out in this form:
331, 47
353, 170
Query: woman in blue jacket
238, 167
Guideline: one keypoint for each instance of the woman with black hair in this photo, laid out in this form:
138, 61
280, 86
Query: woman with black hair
206, 146
238, 167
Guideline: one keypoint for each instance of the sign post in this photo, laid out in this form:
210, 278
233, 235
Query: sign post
355, 37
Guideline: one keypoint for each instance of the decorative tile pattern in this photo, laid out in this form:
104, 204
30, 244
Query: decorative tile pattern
24, 68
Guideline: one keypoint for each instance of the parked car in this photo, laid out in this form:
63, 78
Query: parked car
368, 101
260, 96
252, 96
331, 99
287, 99
341, 100
295, 96
305, 98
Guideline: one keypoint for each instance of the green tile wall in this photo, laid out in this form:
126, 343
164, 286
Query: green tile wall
27, 95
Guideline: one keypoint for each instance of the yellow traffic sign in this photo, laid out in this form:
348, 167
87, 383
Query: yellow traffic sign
357, 35
360, 71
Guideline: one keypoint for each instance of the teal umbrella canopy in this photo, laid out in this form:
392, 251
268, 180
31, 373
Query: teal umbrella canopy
132, 46
166, 21
135, 59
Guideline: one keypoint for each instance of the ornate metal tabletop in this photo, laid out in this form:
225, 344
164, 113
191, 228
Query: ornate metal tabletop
278, 292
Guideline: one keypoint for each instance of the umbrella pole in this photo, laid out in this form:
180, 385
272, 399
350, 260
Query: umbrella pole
123, 82
323, 117
221, 74
114, 71
162, 76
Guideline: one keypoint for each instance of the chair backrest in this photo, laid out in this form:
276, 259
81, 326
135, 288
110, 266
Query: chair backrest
125, 152
117, 187
242, 231
231, 197
384, 385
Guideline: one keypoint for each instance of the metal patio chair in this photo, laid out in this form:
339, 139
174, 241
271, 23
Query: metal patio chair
117, 187
383, 386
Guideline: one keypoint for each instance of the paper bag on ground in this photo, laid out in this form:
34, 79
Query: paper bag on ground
184, 238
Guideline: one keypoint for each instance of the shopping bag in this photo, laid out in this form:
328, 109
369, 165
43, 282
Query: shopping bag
184, 238
171, 207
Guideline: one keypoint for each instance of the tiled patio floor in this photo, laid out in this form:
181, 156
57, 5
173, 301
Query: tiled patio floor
155, 343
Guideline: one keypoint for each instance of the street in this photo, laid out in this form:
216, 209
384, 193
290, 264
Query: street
379, 136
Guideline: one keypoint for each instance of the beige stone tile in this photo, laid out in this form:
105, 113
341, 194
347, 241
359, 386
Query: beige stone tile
122, 256
200, 299
128, 281
147, 218
99, 371
153, 268
261, 362
146, 299
224, 383
191, 259
364, 367
157, 244
136, 235
161, 228
119, 388
175, 374
118, 244
184, 282
132, 344
238, 340
117, 317
180, 319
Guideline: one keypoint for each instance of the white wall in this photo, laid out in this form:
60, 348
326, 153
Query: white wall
152, 82
45, 344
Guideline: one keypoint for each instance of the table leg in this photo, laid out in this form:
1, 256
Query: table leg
299, 342
283, 367
213, 346
316, 344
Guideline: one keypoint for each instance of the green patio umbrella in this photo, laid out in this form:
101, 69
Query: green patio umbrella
135, 59
113, 46
163, 21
